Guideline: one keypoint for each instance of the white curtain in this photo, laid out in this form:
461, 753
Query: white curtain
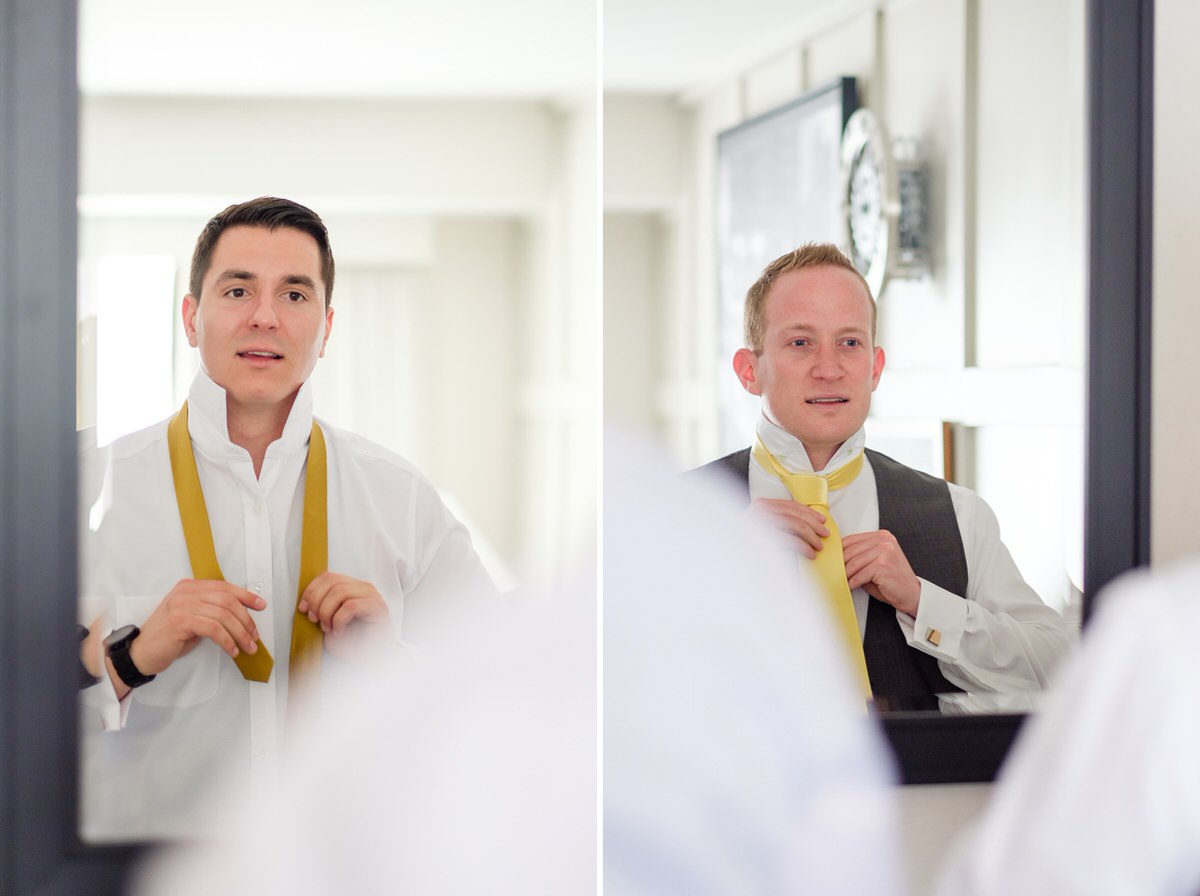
370, 380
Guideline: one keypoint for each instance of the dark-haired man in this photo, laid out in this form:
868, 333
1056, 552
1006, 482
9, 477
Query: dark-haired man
930, 600
247, 556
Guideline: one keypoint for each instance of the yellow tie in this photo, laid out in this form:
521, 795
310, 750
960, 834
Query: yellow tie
813, 490
307, 639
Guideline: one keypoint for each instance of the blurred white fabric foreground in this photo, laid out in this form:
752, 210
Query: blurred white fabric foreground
737, 756
1101, 795
468, 770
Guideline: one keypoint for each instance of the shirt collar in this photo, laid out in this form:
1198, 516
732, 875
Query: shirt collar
209, 427
789, 450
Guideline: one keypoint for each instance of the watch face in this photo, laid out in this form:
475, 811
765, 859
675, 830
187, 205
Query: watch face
120, 635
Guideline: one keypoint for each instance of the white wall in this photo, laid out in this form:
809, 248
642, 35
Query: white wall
462, 222
364, 154
1175, 431
632, 286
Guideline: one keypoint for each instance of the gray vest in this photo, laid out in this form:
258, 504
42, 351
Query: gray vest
916, 508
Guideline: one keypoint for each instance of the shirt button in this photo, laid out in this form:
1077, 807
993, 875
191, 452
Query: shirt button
258, 587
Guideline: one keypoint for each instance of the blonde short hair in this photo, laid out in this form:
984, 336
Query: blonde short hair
809, 255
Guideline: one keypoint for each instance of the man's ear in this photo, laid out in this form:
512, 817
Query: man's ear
745, 365
190, 304
328, 330
877, 367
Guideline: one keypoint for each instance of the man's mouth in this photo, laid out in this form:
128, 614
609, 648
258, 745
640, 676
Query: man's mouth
826, 400
255, 353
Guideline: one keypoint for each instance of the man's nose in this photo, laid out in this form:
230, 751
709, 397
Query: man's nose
826, 364
263, 313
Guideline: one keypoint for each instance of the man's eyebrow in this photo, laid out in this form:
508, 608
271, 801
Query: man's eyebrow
292, 279
301, 280
808, 328
235, 274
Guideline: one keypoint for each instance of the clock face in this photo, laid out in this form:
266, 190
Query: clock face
866, 173
865, 201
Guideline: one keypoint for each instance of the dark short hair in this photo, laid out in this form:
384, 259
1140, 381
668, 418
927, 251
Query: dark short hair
271, 213
809, 255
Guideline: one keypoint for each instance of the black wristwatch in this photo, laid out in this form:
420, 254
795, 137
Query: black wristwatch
117, 645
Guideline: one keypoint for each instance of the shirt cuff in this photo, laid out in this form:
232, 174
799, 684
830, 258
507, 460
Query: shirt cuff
102, 697
938, 627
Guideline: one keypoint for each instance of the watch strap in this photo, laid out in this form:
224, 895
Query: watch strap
124, 666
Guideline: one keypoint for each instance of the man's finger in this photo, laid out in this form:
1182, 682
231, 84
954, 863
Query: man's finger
206, 627
241, 630
804, 523
216, 587
232, 614
316, 592
350, 610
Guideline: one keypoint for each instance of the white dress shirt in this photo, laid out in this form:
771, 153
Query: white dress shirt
1002, 638
1101, 793
177, 734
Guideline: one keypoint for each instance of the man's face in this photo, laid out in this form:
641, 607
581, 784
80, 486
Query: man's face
260, 321
817, 368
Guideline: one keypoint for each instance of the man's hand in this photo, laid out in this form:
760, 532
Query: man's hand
352, 613
805, 525
874, 561
193, 609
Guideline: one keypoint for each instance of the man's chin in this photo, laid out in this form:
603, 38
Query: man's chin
822, 432
261, 400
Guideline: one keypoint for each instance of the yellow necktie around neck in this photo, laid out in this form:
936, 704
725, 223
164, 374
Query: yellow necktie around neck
307, 640
812, 489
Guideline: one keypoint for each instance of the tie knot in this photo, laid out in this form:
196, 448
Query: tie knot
807, 488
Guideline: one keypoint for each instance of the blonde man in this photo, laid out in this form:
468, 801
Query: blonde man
938, 601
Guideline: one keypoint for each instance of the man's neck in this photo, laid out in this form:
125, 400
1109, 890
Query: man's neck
819, 458
255, 428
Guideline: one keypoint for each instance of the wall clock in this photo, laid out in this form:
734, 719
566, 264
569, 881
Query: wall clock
884, 203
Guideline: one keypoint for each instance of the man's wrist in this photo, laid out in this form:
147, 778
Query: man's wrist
87, 675
137, 653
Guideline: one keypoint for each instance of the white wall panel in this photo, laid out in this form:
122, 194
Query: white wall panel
1031, 177
1175, 489
367, 155
774, 82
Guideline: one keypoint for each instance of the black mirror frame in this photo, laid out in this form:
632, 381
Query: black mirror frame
41, 850
38, 223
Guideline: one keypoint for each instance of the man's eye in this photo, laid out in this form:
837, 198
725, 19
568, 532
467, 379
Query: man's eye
294, 296
800, 343
237, 293
853, 342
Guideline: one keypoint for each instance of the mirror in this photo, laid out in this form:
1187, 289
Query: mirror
960, 356
457, 187
970, 337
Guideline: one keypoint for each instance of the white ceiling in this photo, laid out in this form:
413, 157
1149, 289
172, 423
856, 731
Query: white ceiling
671, 46
371, 48
425, 48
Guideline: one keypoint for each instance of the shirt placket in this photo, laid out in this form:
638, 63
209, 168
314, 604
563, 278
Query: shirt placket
257, 526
